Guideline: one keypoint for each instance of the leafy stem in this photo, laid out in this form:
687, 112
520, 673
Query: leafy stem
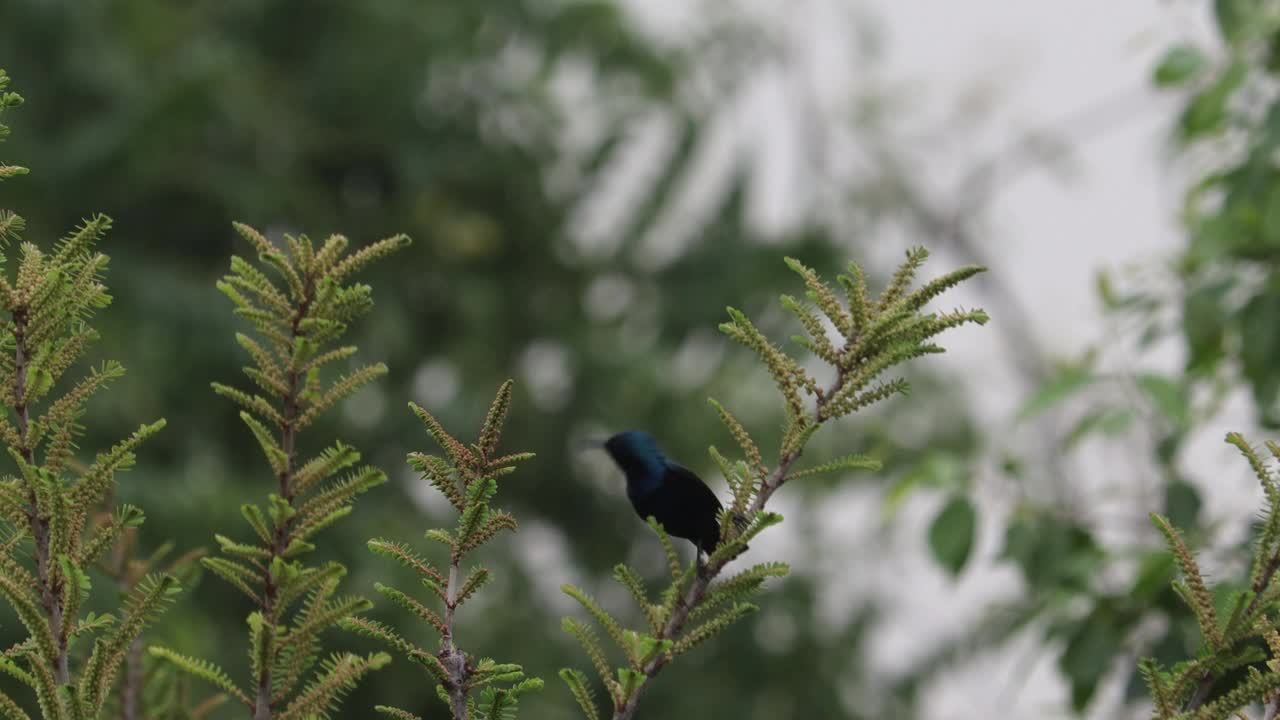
454, 660
262, 708
860, 339
297, 316
467, 476
1185, 690
694, 596
50, 584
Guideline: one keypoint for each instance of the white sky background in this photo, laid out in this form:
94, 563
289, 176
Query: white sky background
975, 77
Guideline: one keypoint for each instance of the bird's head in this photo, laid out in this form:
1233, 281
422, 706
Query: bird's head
635, 451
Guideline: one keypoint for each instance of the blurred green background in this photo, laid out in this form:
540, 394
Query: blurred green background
439, 120
493, 132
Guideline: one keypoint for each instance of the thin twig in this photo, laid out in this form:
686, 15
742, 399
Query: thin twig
1206, 681
453, 659
131, 689
262, 709
50, 586
702, 580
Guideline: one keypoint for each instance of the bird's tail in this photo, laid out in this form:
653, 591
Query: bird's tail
709, 543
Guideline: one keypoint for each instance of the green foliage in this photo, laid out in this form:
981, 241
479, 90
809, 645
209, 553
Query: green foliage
860, 339
1053, 539
468, 477
10, 224
151, 688
1180, 65
371, 118
1231, 672
298, 316
1223, 300
1230, 293
951, 535
47, 508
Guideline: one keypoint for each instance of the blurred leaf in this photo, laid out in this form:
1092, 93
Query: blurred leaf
1207, 111
1055, 556
1203, 323
1105, 288
1260, 345
1169, 398
1273, 52
1107, 421
952, 532
940, 470
1155, 572
1069, 380
1182, 505
1089, 654
1179, 65
1233, 16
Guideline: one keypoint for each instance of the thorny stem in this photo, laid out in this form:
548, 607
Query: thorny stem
1206, 680
453, 659
131, 690
131, 686
702, 580
284, 533
50, 586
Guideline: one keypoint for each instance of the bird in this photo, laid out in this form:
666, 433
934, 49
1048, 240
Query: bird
666, 490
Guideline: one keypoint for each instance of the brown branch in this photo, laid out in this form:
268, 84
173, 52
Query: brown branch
50, 586
1206, 681
262, 707
451, 656
131, 688
453, 659
702, 582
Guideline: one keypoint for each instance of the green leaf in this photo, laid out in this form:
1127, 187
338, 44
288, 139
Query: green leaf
202, 669
630, 680
1053, 554
1204, 326
841, 464
1070, 380
1156, 572
581, 692
1259, 346
942, 470
1089, 652
1207, 111
1179, 65
1182, 504
1168, 397
952, 532
38, 381
1107, 421
1234, 16
396, 713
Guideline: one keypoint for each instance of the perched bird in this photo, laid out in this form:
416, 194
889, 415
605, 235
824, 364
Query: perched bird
668, 491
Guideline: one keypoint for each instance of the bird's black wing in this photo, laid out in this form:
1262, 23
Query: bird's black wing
691, 487
700, 506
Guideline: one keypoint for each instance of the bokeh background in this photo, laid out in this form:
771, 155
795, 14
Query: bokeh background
589, 183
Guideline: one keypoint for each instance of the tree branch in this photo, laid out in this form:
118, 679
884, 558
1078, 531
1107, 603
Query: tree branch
50, 585
1206, 681
453, 659
262, 709
702, 581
